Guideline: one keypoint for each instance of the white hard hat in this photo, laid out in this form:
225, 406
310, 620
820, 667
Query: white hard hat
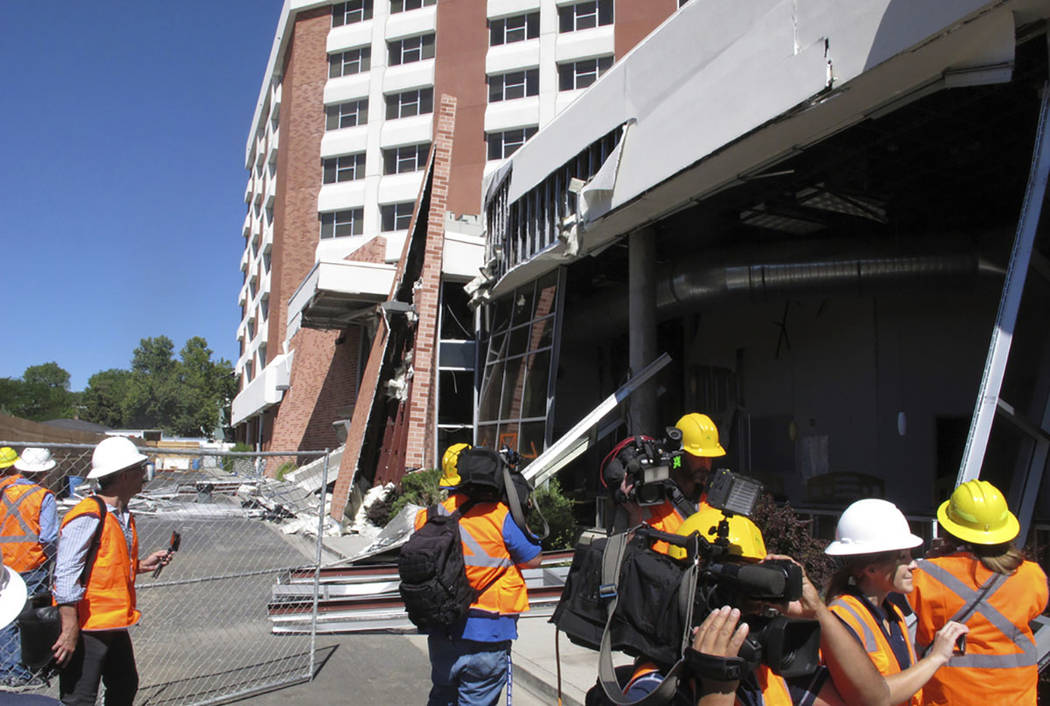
870, 526
35, 460
12, 594
114, 454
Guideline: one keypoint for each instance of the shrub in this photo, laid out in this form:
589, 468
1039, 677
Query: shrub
418, 488
284, 469
786, 533
227, 461
557, 510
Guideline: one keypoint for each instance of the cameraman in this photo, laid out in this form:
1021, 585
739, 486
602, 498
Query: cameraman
848, 677
685, 494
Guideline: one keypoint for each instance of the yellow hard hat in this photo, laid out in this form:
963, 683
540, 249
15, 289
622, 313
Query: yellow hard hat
449, 468
745, 538
700, 436
977, 513
8, 456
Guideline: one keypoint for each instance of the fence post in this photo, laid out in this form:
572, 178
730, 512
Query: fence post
317, 563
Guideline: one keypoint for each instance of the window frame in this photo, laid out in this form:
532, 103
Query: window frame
395, 214
578, 16
340, 59
351, 12
423, 104
335, 113
601, 65
530, 28
333, 220
425, 42
346, 167
498, 85
500, 138
397, 6
400, 155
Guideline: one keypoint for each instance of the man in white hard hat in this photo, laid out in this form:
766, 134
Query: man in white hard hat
28, 540
95, 581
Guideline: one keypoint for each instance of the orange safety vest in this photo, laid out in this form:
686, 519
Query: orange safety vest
666, 517
1000, 664
774, 690
873, 637
20, 524
109, 597
486, 555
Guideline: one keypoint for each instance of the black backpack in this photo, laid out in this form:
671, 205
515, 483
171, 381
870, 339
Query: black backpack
434, 582
486, 476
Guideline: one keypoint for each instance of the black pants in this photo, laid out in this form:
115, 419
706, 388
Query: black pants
104, 655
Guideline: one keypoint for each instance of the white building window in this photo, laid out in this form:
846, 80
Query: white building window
504, 144
409, 49
346, 114
396, 216
580, 74
516, 84
346, 13
409, 103
340, 224
403, 5
514, 29
585, 15
408, 158
349, 167
352, 61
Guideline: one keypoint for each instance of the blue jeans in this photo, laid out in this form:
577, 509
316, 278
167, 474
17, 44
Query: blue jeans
466, 673
11, 666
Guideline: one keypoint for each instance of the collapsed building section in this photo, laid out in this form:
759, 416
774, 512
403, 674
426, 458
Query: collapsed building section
812, 208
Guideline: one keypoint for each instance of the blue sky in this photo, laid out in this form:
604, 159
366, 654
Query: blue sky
122, 182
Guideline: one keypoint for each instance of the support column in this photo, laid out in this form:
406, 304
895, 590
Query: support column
641, 316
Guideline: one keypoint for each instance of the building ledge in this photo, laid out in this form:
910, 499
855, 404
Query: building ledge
335, 293
266, 390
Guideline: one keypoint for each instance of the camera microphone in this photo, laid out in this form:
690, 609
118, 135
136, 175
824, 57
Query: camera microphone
771, 581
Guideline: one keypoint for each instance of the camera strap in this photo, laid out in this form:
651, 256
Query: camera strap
517, 512
612, 561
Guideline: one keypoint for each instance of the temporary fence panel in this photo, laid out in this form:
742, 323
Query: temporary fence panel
247, 521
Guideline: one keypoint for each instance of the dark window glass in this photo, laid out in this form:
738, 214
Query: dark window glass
345, 13
396, 216
346, 168
534, 397
456, 401
339, 224
403, 5
409, 103
346, 114
349, 62
404, 51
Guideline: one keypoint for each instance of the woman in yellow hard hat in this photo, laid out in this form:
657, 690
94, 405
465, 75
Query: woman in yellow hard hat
981, 579
874, 543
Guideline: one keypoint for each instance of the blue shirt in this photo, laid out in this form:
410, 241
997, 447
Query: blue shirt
48, 519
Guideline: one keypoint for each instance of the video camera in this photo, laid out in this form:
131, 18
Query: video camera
645, 463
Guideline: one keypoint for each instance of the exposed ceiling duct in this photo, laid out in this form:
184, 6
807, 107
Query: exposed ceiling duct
695, 282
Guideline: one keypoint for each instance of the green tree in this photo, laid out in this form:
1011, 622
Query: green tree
151, 400
205, 388
41, 394
104, 397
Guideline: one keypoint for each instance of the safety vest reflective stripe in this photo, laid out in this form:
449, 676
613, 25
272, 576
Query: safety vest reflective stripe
869, 635
12, 511
1028, 655
477, 556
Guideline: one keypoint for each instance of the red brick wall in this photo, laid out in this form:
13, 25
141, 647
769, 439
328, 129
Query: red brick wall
301, 126
462, 41
372, 251
635, 19
422, 417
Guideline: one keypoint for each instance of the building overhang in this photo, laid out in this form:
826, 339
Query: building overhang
266, 390
336, 293
721, 93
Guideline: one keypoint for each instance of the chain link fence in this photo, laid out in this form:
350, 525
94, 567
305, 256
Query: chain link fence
247, 522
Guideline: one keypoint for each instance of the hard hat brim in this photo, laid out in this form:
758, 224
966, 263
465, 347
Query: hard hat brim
35, 467
711, 453
1010, 529
95, 473
840, 548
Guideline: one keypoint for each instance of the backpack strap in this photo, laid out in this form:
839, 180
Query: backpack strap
514, 503
612, 561
96, 541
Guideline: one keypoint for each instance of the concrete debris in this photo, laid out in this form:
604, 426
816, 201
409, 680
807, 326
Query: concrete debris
309, 476
361, 523
396, 533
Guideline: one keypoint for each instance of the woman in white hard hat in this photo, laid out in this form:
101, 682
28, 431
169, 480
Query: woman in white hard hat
982, 579
874, 544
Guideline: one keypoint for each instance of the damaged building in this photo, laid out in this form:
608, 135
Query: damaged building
825, 213
813, 208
